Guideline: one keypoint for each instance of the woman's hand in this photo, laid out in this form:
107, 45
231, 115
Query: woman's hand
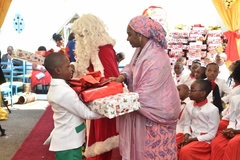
112, 79
119, 79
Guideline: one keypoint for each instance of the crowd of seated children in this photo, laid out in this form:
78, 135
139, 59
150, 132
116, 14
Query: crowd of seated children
219, 95
201, 123
234, 91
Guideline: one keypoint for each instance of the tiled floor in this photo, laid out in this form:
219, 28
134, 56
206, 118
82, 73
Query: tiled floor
39, 104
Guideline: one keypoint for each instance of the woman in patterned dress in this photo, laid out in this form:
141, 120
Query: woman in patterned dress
149, 133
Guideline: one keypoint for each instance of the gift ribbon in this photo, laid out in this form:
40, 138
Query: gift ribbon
231, 48
214, 27
197, 25
180, 27
91, 80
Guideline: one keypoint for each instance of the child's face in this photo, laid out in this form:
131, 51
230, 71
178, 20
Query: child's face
232, 66
198, 73
178, 69
196, 93
212, 72
183, 92
194, 67
66, 69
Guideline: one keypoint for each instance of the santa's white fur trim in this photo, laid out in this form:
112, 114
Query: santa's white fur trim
102, 147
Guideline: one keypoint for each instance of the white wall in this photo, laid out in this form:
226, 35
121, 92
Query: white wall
44, 17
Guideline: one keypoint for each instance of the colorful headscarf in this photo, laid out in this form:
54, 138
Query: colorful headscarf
149, 28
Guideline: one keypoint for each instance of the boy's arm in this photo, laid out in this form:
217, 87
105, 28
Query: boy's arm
187, 121
72, 103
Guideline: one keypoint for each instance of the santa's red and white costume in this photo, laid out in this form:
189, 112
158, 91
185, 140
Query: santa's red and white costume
94, 52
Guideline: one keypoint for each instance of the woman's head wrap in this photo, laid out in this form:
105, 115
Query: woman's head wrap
149, 28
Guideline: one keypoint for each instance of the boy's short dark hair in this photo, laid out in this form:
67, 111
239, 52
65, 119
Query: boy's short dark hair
121, 55
52, 61
42, 48
196, 61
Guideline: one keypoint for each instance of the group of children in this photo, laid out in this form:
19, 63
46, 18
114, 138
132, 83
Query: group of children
208, 126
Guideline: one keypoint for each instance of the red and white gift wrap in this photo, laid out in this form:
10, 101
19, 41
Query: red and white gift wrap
213, 46
100, 92
196, 53
116, 105
214, 40
199, 30
28, 56
215, 33
197, 46
196, 37
176, 53
179, 33
177, 46
177, 40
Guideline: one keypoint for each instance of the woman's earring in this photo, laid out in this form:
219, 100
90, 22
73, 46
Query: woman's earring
140, 39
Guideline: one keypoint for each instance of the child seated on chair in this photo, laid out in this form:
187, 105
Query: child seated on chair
227, 143
219, 86
201, 123
39, 74
70, 112
184, 96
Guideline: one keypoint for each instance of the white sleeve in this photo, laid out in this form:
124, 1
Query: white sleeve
71, 102
187, 123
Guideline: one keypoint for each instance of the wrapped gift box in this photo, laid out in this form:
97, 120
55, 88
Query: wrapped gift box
116, 105
215, 34
179, 33
100, 92
213, 46
175, 46
177, 40
175, 53
28, 56
214, 40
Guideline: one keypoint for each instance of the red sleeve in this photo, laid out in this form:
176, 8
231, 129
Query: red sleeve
107, 56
